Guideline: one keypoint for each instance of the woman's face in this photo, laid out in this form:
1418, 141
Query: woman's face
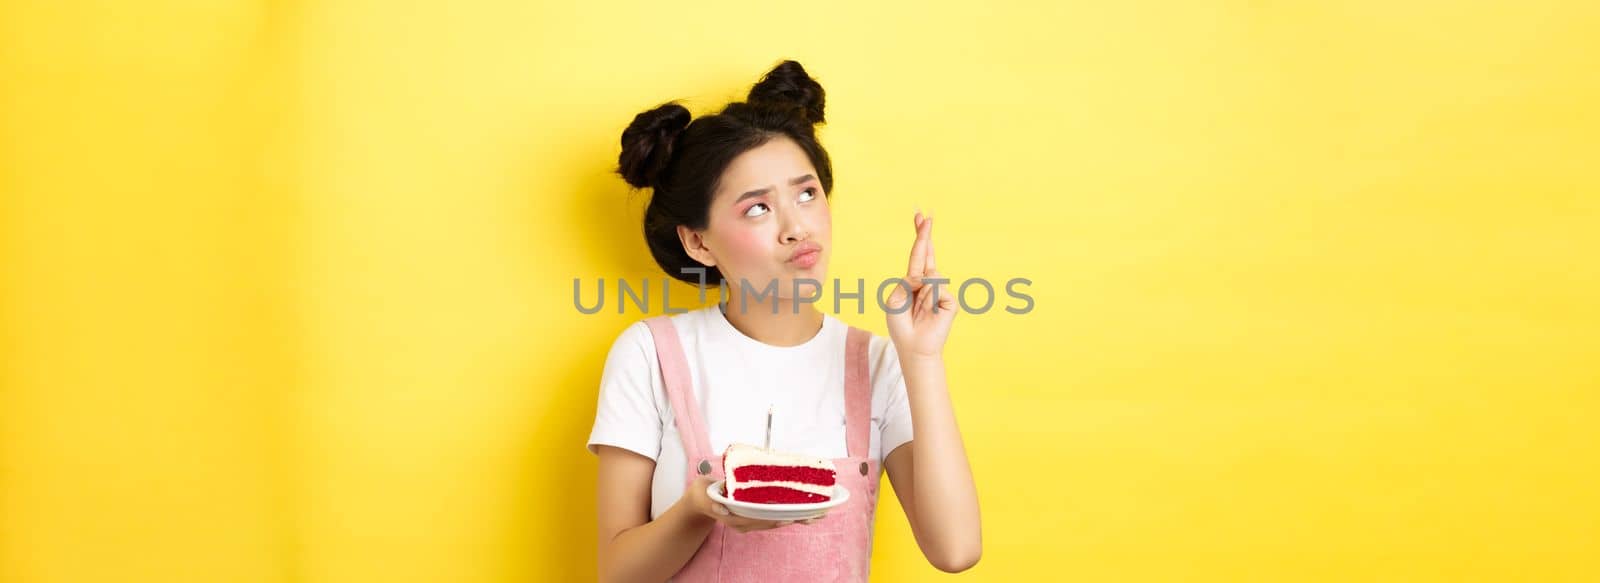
769, 222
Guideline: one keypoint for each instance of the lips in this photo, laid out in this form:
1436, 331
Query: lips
805, 254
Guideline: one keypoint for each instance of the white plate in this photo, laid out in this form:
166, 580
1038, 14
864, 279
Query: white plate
778, 511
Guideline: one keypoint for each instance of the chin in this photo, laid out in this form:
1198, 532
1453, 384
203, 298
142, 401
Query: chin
807, 290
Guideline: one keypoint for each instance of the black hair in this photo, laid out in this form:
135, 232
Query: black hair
682, 161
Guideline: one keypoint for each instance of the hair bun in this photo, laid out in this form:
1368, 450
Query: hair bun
648, 141
788, 84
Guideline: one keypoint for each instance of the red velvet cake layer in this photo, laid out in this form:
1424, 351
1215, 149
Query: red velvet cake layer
776, 495
799, 474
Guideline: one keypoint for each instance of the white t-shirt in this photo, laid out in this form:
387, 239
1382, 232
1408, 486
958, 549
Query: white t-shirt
736, 378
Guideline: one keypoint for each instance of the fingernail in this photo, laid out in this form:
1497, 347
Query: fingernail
719, 510
786, 523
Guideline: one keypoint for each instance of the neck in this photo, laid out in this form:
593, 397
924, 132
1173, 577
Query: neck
792, 325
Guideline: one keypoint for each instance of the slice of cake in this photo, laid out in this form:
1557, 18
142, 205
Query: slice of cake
762, 476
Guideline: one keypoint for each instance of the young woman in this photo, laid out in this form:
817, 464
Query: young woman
742, 195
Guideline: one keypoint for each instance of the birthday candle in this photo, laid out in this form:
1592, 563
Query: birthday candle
768, 443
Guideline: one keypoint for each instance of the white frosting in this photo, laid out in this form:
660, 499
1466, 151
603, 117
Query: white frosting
739, 455
803, 487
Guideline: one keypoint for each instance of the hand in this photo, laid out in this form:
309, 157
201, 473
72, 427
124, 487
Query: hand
703, 504
921, 331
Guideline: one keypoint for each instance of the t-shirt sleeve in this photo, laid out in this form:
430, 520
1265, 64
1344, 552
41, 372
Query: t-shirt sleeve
628, 414
895, 429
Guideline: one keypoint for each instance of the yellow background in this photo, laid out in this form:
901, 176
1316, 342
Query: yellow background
287, 285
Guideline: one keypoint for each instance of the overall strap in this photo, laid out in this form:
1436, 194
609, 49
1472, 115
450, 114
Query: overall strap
857, 392
680, 390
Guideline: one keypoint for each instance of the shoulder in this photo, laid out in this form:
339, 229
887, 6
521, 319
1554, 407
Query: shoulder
638, 338
880, 351
633, 349
882, 359
634, 340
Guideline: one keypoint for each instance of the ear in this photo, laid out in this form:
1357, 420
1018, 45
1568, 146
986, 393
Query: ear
695, 244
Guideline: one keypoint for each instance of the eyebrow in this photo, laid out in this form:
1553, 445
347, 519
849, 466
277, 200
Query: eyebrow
796, 181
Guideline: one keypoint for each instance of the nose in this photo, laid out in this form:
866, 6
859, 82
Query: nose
794, 229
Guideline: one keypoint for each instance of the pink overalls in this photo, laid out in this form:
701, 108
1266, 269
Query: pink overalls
836, 547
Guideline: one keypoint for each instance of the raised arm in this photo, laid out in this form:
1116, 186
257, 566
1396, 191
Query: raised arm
932, 477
